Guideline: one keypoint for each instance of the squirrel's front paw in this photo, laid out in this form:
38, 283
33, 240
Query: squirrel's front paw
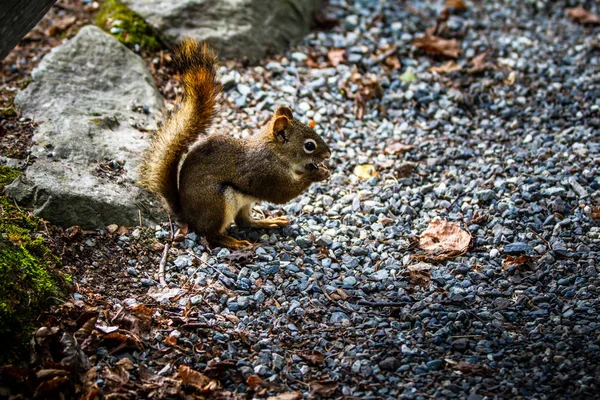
318, 172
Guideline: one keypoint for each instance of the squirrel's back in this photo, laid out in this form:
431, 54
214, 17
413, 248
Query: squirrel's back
197, 64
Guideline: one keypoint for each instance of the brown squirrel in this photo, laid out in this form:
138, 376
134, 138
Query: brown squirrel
221, 177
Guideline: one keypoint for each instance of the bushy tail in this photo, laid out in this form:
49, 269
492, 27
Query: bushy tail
198, 66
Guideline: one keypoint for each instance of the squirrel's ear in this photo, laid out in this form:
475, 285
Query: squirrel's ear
279, 126
283, 110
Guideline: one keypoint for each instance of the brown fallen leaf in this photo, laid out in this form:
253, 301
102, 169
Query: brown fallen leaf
582, 16
397, 148
323, 388
443, 240
170, 341
595, 212
336, 57
450, 66
196, 380
479, 65
286, 396
511, 79
436, 45
456, 4
60, 26
116, 374
404, 170
314, 357
254, 380
343, 295
365, 171
420, 273
511, 260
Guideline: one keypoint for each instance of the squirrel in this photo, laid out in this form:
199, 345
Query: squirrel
221, 177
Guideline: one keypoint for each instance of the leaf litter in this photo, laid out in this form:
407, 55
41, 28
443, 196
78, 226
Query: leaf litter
443, 240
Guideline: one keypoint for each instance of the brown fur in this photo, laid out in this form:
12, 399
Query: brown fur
197, 65
221, 177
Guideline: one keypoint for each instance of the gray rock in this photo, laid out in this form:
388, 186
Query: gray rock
246, 28
516, 248
81, 94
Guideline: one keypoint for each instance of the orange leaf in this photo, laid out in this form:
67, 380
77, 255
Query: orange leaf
581, 16
457, 4
312, 124
436, 45
170, 340
254, 380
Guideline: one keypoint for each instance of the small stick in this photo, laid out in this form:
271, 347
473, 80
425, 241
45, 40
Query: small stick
332, 300
140, 216
165, 255
541, 237
383, 56
163, 262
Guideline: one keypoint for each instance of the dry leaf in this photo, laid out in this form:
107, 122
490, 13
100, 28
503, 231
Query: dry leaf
405, 169
60, 26
323, 388
581, 16
456, 4
595, 212
420, 273
314, 357
437, 45
393, 62
479, 65
343, 295
442, 240
170, 340
450, 66
511, 79
254, 380
397, 148
196, 380
520, 260
117, 374
286, 396
336, 57
365, 171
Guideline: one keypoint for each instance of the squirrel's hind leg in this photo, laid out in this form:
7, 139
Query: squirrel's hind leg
213, 212
243, 219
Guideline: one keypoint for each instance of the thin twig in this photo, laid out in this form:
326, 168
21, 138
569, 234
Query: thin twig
163, 262
165, 255
541, 237
332, 300
384, 56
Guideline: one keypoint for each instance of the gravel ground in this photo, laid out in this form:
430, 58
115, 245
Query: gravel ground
511, 153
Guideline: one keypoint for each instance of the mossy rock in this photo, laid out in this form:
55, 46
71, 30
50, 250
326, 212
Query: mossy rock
127, 26
29, 276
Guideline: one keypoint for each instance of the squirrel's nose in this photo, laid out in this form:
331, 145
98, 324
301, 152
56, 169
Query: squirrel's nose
328, 154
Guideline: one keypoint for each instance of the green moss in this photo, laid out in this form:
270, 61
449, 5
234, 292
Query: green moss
29, 278
8, 112
126, 25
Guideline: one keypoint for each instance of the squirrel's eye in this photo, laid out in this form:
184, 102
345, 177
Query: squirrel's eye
310, 145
